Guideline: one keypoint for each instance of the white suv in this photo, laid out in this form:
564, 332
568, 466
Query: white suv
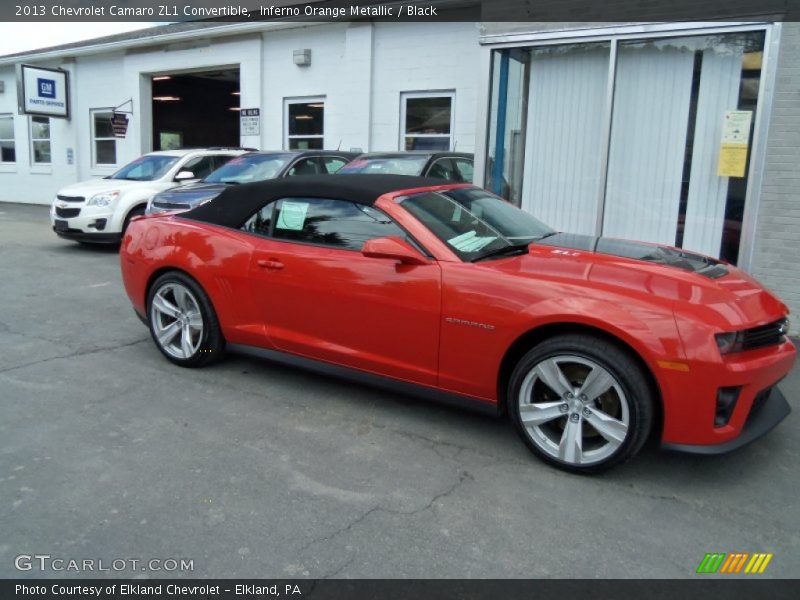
99, 210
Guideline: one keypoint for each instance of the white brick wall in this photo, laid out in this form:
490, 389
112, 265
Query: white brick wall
776, 259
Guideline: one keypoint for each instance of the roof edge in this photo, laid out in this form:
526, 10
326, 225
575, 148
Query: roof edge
221, 30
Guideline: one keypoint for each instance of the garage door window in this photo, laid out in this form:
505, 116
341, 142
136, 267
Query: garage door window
8, 152
103, 140
40, 140
426, 120
305, 124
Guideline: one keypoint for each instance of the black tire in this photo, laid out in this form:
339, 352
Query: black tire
575, 354
210, 344
135, 212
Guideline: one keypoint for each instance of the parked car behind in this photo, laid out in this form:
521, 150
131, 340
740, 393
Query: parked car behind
99, 210
249, 168
452, 166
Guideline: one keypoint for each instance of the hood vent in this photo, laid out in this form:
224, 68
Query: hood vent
663, 255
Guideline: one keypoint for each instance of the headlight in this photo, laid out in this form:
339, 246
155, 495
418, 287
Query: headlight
103, 199
729, 342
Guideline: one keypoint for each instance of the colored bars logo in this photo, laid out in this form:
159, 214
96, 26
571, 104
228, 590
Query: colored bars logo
735, 562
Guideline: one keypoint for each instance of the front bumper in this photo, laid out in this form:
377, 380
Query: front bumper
762, 419
690, 397
76, 235
90, 224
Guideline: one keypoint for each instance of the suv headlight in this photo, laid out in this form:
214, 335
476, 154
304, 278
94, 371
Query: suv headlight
103, 199
729, 342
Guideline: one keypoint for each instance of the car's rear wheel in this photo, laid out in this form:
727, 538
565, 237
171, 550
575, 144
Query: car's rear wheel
182, 321
581, 403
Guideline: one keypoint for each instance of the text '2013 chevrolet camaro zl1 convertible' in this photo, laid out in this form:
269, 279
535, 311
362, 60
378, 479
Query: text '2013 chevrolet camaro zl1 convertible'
447, 291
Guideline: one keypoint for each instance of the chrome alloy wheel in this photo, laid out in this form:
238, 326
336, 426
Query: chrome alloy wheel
177, 320
574, 410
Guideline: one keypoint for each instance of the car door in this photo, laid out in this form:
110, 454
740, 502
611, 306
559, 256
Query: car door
321, 298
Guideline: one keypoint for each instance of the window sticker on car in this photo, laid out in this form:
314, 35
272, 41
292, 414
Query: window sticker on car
470, 241
292, 216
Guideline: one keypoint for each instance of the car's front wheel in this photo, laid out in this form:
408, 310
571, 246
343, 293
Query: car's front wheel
182, 321
581, 403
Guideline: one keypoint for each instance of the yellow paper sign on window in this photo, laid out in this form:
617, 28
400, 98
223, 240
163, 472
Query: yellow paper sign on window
734, 146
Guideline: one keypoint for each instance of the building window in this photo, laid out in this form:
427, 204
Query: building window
104, 144
8, 151
426, 120
305, 124
40, 140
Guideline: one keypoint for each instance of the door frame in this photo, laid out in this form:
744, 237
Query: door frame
614, 35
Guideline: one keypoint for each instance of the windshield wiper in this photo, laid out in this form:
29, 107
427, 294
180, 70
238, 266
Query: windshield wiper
546, 235
511, 250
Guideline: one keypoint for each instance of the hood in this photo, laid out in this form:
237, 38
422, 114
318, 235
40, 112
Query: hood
652, 273
190, 194
89, 188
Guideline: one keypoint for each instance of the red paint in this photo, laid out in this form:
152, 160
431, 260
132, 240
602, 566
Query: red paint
407, 321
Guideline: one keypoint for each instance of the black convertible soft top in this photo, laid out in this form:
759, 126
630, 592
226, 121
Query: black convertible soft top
237, 203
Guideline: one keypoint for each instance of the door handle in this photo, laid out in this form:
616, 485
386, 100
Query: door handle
272, 265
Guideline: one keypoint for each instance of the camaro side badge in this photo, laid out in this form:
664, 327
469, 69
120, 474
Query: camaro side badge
469, 323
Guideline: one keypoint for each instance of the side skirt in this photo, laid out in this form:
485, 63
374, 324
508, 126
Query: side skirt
369, 379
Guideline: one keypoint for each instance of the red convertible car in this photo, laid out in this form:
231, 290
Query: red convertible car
447, 291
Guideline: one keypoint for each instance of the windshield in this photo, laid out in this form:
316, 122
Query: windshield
146, 168
250, 168
390, 165
475, 223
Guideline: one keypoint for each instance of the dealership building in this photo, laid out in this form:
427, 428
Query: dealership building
680, 133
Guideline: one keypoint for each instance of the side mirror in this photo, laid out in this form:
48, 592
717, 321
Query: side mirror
393, 248
184, 176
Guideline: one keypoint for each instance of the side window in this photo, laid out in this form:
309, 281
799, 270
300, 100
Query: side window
200, 166
465, 168
220, 160
306, 166
444, 168
103, 140
336, 223
261, 222
40, 140
8, 149
333, 164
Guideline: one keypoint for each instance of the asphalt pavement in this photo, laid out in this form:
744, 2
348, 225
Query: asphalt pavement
249, 469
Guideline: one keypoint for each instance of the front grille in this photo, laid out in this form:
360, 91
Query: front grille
770, 334
170, 205
67, 213
71, 198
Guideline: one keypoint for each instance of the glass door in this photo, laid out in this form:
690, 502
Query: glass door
662, 156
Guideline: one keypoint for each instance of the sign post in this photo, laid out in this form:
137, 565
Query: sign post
119, 123
250, 121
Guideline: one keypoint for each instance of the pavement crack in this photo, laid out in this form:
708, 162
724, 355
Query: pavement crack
463, 477
74, 354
